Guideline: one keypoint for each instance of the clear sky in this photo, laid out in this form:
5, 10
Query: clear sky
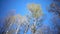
21, 7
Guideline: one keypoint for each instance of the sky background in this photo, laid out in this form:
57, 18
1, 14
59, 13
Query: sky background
21, 7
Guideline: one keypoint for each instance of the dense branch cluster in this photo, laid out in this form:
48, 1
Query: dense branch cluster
55, 10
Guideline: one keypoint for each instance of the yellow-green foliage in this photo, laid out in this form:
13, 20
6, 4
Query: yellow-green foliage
35, 10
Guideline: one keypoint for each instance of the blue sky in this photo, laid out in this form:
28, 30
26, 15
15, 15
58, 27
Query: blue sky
21, 7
